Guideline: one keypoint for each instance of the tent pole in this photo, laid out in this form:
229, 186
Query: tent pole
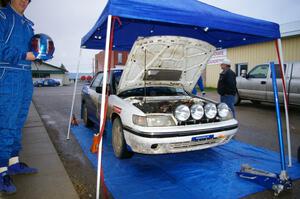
103, 98
74, 94
283, 78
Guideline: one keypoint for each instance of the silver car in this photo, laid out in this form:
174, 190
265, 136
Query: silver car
257, 84
151, 105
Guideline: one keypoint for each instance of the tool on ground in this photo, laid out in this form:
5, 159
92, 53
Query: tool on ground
74, 121
276, 182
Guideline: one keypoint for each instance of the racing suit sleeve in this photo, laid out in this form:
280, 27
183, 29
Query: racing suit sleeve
8, 53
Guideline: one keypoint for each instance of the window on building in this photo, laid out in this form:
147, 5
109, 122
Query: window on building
40, 75
120, 58
239, 68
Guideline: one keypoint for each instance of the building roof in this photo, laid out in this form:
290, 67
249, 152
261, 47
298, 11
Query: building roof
36, 66
290, 29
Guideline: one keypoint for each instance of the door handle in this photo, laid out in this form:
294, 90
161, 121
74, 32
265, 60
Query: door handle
263, 82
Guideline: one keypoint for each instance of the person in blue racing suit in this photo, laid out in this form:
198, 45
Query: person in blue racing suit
15, 89
200, 85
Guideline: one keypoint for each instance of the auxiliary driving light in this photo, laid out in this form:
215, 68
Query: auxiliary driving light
182, 112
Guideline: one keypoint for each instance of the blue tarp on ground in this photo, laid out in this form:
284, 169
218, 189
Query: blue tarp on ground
200, 174
177, 17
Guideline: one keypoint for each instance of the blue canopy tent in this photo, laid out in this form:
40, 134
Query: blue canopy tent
189, 18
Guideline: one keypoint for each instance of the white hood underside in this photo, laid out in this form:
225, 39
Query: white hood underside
165, 61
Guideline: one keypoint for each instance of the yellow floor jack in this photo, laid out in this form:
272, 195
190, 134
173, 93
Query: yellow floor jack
276, 182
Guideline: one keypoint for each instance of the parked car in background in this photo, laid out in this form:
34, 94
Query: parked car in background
46, 82
150, 103
257, 84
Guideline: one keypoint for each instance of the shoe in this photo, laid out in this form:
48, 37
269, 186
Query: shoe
6, 185
21, 168
203, 93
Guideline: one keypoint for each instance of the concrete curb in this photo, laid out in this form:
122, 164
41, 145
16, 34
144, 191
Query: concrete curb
52, 181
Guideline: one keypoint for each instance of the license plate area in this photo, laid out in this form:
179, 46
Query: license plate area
202, 137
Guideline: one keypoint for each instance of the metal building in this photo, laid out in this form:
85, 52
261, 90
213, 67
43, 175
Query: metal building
247, 57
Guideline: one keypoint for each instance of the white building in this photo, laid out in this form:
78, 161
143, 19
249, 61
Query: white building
44, 70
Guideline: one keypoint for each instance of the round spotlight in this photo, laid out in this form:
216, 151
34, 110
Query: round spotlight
223, 110
197, 111
182, 112
210, 110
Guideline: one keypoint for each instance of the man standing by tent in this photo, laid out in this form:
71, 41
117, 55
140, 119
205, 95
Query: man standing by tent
15, 89
227, 85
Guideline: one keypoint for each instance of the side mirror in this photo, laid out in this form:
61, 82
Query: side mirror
244, 74
99, 89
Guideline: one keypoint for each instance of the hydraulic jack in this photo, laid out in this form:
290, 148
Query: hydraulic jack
273, 181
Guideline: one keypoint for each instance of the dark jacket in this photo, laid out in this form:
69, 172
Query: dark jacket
227, 83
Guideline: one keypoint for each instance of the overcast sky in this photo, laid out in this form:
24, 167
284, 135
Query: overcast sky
67, 21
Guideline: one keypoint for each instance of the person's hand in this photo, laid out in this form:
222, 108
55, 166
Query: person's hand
30, 56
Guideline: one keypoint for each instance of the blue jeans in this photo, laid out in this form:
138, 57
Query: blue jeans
15, 97
229, 100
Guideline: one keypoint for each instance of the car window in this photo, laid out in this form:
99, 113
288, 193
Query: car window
277, 69
97, 81
296, 70
116, 79
260, 71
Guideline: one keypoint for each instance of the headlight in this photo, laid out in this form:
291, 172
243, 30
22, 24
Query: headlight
182, 112
210, 110
160, 120
223, 110
153, 120
197, 111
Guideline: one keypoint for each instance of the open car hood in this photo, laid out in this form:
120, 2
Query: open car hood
165, 61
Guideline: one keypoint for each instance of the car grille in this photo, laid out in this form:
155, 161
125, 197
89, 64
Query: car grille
191, 121
179, 145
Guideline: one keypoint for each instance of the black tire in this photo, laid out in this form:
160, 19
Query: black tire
255, 102
87, 122
298, 154
237, 99
118, 141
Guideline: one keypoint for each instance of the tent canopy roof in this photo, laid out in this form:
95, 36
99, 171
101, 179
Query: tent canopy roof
189, 18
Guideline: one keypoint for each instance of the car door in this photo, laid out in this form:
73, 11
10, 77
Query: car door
92, 104
270, 93
46, 82
294, 89
254, 85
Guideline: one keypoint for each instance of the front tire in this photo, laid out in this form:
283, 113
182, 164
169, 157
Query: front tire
298, 154
255, 102
87, 122
118, 140
237, 99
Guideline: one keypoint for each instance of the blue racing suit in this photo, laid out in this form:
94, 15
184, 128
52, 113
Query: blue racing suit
15, 80
200, 84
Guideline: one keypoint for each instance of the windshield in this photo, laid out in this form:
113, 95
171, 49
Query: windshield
154, 91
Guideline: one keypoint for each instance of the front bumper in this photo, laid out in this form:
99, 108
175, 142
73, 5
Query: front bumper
178, 141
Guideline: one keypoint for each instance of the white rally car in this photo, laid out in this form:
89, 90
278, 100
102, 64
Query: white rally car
151, 105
